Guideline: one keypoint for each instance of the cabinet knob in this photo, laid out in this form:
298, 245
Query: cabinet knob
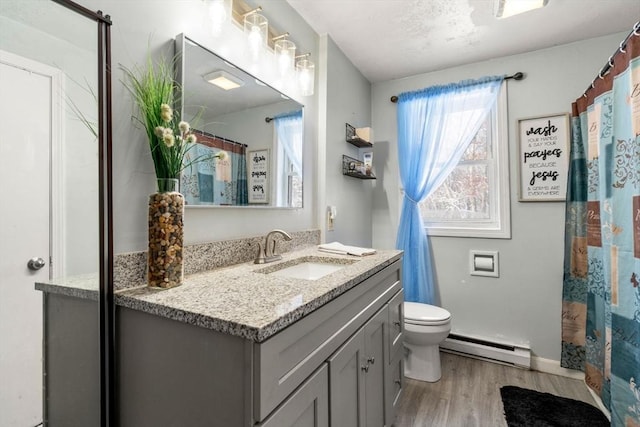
397, 324
371, 360
365, 368
398, 382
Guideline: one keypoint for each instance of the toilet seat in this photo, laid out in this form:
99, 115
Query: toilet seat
424, 314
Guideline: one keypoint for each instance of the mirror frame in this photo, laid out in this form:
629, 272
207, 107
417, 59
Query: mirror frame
180, 65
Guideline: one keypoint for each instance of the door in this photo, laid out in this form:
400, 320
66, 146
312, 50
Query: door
25, 140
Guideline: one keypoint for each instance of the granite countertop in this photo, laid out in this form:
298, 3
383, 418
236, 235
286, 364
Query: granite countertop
242, 301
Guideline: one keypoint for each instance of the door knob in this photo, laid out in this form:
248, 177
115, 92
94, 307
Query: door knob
36, 263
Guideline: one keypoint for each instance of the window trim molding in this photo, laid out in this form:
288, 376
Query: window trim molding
473, 229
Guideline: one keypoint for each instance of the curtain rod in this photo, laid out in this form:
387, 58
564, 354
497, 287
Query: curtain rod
221, 138
607, 67
517, 76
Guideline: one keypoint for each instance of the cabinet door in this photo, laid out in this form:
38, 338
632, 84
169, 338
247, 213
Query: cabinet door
396, 325
394, 384
308, 406
346, 378
357, 376
374, 377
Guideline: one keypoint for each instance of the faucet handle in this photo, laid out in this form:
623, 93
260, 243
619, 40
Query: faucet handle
260, 255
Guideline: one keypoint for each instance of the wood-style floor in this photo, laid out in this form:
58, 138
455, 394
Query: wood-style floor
468, 394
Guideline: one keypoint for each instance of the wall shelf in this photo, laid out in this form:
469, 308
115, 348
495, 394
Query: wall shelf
353, 168
352, 138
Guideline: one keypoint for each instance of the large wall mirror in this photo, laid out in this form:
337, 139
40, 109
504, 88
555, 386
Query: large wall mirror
259, 128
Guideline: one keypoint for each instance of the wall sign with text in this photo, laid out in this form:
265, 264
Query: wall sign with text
258, 176
544, 157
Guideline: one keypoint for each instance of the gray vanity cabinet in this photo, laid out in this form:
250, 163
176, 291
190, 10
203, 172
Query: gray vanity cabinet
308, 406
339, 365
357, 376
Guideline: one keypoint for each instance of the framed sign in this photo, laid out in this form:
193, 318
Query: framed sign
258, 175
543, 158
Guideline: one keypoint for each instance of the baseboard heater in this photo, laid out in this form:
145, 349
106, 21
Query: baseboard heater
509, 354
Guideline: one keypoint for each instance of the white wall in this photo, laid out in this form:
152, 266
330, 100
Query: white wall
523, 305
142, 26
348, 101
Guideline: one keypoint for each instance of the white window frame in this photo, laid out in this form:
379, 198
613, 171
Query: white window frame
499, 225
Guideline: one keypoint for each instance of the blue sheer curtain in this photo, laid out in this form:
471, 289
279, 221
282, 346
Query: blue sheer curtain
435, 126
288, 132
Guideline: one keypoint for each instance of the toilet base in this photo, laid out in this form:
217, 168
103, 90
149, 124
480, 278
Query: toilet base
422, 363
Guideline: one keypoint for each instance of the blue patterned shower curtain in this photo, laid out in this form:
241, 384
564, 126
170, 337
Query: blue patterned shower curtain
204, 184
601, 292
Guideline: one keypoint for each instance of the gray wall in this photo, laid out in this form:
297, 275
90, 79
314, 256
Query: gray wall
523, 305
140, 26
348, 101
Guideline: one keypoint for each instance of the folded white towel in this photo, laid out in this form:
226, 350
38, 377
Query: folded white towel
339, 248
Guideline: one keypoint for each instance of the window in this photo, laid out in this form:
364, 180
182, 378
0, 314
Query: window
474, 199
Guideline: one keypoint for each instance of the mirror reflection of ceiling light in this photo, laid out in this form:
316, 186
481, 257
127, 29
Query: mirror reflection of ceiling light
224, 80
507, 8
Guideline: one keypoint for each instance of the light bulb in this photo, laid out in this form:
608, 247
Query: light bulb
284, 62
305, 71
218, 15
285, 51
255, 41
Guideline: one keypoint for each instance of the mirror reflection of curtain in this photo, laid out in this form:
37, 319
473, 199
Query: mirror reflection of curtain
288, 140
215, 181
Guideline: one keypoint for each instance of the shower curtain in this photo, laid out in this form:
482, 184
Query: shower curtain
601, 292
206, 183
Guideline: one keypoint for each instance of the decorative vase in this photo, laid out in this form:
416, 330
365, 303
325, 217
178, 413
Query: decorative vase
165, 267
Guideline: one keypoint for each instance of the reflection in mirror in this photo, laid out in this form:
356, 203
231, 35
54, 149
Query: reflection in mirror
259, 129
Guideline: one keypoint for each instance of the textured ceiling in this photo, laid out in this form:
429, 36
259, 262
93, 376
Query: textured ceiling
389, 39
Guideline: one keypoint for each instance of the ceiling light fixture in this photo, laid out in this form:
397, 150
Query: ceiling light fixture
256, 27
285, 52
305, 74
224, 80
507, 8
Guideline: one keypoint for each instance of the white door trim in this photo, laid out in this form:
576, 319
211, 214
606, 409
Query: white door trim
56, 164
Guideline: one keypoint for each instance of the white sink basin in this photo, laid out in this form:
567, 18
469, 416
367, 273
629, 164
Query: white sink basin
307, 268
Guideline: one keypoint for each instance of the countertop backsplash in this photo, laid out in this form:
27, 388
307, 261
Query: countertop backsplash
130, 269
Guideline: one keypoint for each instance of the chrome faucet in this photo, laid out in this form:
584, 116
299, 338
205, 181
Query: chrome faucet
268, 253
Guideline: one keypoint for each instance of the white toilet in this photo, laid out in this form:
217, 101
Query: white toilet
425, 327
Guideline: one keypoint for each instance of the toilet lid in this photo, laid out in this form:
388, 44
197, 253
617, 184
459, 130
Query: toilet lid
425, 314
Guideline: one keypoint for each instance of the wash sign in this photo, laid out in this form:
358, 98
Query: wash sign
544, 157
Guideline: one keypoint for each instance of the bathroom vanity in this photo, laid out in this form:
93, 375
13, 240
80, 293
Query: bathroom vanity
248, 345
